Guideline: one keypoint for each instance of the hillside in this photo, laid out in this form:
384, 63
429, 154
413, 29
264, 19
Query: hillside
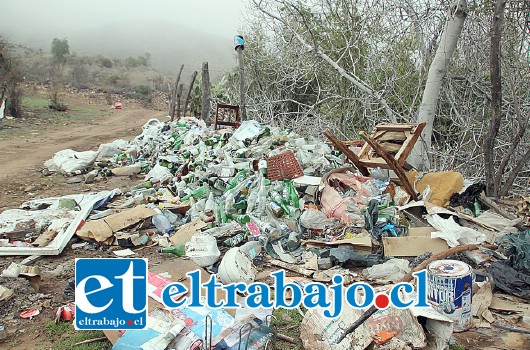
168, 44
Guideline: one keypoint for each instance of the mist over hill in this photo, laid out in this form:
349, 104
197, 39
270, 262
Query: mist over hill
169, 45
173, 32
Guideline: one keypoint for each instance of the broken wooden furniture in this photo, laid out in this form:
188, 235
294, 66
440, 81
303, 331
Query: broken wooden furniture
226, 115
388, 147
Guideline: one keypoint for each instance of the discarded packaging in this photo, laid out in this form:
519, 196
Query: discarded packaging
203, 250
30, 313
236, 267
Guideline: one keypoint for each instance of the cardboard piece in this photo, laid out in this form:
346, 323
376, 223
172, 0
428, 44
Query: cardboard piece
32, 274
443, 184
102, 229
5, 294
482, 301
418, 242
186, 231
506, 303
363, 242
45, 238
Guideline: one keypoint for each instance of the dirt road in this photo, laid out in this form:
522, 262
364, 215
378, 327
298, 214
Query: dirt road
22, 157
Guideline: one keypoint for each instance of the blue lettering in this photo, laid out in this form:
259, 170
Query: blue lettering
395, 295
338, 296
231, 293
211, 286
421, 282
316, 298
171, 290
281, 289
195, 285
351, 295
259, 296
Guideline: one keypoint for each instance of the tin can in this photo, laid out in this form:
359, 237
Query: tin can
449, 291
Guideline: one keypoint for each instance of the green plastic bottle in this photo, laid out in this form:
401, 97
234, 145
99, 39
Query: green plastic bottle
177, 250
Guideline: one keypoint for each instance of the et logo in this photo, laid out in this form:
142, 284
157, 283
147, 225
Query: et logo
110, 294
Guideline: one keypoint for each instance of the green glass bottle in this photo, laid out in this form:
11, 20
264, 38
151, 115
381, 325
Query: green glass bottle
177, 250
240, 176
197, 193
241, 219
277, 198
293, 195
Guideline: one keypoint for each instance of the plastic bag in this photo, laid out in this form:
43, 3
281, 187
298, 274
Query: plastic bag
393, 270
160, 173
313, 219
67, 161
109, 150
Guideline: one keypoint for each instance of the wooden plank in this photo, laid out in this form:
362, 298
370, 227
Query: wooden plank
394, 165
392, 136
347, 152
408, 145
365, 151
397, 127
391, 147
374, 163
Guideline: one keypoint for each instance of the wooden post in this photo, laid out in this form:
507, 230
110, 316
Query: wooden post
205, 114
2, 99
242, 95
188, 96
179, 96
174, 95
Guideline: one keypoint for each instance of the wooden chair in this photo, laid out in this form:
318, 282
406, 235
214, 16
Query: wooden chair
388, 147
226, 115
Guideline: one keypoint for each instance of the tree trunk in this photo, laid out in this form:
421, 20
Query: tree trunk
188, 96
438, 69
174, 94
242, 94
205, 114
496, 98
179, 97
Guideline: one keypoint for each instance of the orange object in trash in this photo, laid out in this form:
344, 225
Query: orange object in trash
384, 336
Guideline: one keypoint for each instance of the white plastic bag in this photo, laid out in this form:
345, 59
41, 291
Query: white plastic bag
109, 150
67, 161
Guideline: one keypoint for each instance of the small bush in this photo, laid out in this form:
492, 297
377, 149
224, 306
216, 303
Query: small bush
105, 62
142, 90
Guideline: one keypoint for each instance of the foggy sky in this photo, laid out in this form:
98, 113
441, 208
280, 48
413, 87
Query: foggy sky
62, 17
129, 27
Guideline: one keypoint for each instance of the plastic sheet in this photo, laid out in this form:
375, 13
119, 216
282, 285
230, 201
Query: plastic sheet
510, 280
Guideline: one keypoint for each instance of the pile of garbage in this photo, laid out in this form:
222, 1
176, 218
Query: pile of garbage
236, 201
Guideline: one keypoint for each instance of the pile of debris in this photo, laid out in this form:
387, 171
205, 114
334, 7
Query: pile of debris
243, 202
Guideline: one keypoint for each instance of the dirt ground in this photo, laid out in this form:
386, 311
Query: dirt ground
24, 146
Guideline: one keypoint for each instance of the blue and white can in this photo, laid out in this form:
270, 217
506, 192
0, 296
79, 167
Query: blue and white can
449, 291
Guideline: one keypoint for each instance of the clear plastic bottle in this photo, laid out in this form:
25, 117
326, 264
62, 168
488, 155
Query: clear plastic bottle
162, 223
252, 200
209, 208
